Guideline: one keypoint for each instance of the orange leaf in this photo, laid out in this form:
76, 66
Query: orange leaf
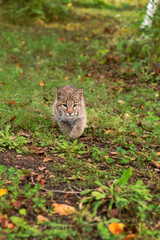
63, 209
134, 133
3, 192
42, 84
130, 237
12, 102
116, 228
42, 219
62, 39
23, 42
109, 131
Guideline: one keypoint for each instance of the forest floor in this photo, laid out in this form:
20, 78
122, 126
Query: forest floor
104, 185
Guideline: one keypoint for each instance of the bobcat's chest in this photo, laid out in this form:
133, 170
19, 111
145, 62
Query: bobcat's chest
70, 123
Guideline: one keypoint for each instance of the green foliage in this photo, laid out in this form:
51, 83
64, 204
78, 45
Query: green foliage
134, 198
70, 149
8, 139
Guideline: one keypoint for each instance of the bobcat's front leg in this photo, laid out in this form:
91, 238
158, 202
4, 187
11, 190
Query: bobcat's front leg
78, 128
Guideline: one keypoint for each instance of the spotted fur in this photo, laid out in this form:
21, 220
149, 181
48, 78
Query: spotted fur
69, 110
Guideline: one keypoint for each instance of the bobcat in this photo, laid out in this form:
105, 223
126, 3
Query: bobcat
69, 110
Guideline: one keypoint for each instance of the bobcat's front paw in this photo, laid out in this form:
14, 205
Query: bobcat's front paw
78, 128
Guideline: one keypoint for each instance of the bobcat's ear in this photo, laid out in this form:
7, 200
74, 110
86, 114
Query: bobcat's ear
59, 94
79, 93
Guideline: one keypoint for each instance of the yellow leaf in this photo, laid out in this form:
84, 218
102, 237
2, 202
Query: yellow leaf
69, 5
116, 228
86, 38
3, 192
158, 153
42, 84
63, 209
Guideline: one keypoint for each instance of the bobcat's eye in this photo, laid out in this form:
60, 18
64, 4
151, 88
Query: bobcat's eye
64, 105
74, 105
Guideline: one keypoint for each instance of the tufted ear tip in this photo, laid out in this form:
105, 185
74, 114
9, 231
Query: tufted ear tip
59, 93
79, 93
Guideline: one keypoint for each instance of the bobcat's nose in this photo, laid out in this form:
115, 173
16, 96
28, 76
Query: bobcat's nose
70, 111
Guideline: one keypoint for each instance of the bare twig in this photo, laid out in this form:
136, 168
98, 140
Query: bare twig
56, 191
73, 191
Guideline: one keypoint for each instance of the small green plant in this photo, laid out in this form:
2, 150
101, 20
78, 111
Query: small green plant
124, 196
8, 139
69, 149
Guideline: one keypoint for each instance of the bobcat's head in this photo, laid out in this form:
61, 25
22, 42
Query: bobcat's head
69, 104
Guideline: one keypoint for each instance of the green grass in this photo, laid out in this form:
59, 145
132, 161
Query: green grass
123, 128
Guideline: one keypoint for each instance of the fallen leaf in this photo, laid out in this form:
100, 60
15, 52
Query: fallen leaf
13, 118
109, 131
3, 237
42, 219
130, 237
23, 42
39, 177
19, 65
12, 102
12, 137
24, 134
36, 150
47, 159
42, 84
116, 228
134, 133
158, 153
8, 181
17, 204
120, 101
114, 212
41, 168
3, 192
42, 183
154, 163
63, 209
62, 39
88, 18
86, 38
11, 226
69, 4
4, 221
